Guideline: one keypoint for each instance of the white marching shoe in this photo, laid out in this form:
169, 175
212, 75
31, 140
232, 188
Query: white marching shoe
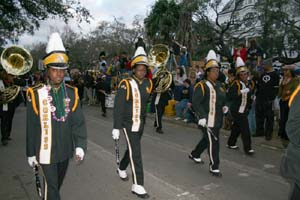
196, 160
140, 191
122, 174
215, 172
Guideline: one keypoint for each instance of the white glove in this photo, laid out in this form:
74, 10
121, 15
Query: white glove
245, 91
115, 134
225, 109
32, 161
79, 152
202, 122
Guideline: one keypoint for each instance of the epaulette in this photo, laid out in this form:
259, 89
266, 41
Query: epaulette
201, 84
125, 87
293, 95
237, 83
252, 85
149, 89
75, 96
31, 97
38, 86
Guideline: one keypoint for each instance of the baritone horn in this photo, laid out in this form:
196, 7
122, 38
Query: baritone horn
16, 61
158, 58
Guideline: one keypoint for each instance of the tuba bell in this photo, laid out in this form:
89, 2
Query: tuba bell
16, 61
158, 57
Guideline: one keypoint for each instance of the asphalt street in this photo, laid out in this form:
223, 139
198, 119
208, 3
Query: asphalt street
169, 174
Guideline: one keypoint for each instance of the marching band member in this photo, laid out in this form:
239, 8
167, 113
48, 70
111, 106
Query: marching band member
7, 110
291, 159
129, 115
239, 96
209, 104
55, 123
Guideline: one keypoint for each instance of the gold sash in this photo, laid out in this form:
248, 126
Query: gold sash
212, 105
136, 106
46, 126
244, 99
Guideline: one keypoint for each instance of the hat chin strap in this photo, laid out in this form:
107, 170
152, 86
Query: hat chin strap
56, 66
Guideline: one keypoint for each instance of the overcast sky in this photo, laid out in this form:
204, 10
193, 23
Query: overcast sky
101, 10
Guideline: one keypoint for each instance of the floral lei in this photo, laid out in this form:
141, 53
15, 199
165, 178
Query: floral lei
64, 109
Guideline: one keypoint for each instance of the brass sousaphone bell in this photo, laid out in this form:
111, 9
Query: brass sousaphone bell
158, 57
16, 61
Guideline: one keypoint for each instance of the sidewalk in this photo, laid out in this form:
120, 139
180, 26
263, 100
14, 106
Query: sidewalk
275, 144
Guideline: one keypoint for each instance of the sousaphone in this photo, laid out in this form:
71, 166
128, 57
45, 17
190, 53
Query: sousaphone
16, 61
158, 57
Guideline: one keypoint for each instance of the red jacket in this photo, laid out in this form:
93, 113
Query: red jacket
241, 53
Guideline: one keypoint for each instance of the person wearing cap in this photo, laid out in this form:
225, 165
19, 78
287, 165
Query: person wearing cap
102, 89
290, 163
287, 86
55, 123
208, 104
239, 96
102, 62
129, 116
267, 90
140, 43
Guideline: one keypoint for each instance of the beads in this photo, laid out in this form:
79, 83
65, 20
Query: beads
53, 108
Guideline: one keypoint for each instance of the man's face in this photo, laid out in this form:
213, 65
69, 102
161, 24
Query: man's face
140, 71
56, 75
213, 74
244, 76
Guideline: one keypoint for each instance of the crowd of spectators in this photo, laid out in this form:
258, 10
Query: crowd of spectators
96, 84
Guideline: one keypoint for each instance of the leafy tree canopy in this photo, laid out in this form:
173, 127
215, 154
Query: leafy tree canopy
20, 16
162, 22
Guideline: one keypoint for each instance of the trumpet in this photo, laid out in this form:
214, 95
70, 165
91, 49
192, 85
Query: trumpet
16, 61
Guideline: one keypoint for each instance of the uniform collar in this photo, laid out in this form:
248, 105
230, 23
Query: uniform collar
138, 80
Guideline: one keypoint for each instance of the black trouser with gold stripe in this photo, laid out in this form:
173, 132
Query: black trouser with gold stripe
134, 156
212, 144
54, 175
240, 126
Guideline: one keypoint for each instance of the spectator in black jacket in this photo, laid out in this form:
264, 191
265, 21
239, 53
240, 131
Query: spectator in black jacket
267, 89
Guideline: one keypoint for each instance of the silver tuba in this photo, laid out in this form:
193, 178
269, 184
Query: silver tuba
16, 61
158, 58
